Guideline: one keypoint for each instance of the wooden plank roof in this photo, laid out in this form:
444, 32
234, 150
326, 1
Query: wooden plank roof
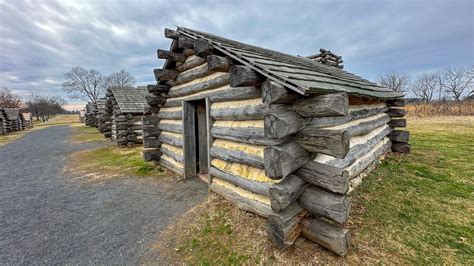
297, 73
12, 113
129, 99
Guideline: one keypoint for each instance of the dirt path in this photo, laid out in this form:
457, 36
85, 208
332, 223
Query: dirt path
46, 217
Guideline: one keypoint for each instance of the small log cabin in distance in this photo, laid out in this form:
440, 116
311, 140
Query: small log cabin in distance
12, 119
285, 137
125, 105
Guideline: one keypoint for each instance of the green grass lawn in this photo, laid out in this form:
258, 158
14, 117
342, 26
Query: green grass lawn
412, 209
420, 208
110, 159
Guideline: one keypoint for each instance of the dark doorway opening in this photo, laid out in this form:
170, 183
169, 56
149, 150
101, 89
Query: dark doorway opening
195, 138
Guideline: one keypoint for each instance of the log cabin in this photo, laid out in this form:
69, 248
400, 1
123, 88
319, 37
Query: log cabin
91, 114
2, 123
104, 119
124, 106
285, 137
26, 120
12, 119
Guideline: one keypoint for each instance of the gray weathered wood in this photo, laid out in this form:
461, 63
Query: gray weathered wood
335, 104
244, 76
185, 42
247, 135
284, 228
177, 128
325, 176
175, 115
286, 192
253, 112
171, 140
230, 94
282, 160
401, 147
203, 48
170, 153
165, 74
203, 147
198, 87
358, 150
194, 73
151, 109
334, 142
237, 156
273, 92
280, 124
396, 103
188, 51
171, 34
155, 100
243, 203
397, 123
318, 122
399, 136
151, 143
396, 112
326, 234
249, 185
151, 132
171, 167
219, 63
151, 155
189, 140
327, 204
164, 54
155, 89
192, 63
150, 120
369, 159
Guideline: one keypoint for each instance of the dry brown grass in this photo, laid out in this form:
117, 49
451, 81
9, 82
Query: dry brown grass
465, 108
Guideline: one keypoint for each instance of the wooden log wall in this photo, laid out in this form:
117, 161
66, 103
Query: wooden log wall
126, 129
290, 158
398, 136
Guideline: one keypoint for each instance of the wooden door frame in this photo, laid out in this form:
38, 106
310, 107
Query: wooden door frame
189, 137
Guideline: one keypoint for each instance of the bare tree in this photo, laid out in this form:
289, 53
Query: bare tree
399, 82
120, 79
456, 82
424, 86
87, 85
44, 106
9, 99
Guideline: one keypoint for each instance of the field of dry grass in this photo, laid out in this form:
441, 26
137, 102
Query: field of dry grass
440, 109
413, 209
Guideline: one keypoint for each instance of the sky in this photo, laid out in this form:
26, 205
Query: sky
41, 40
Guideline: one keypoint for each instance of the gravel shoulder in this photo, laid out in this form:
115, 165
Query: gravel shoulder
50, 217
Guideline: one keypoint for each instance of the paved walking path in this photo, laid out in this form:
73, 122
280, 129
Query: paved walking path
46, 217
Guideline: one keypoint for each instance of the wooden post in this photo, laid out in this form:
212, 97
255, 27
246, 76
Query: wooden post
284, 159
189, 139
